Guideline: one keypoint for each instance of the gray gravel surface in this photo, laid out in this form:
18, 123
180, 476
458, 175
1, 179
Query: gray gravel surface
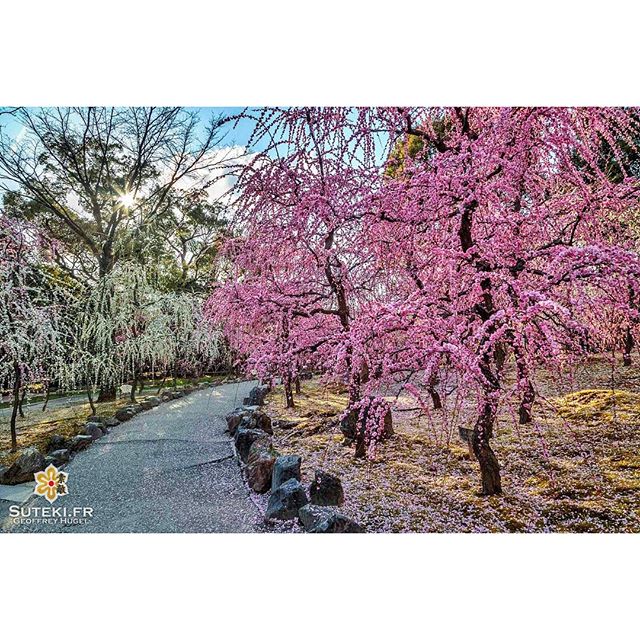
54, 403
67, 401
169, 469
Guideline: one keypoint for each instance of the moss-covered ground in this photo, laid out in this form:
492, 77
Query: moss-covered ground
576, 468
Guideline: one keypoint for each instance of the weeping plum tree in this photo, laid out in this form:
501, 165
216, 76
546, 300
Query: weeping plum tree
32, 335
512, 230
194, 344
484, 248
127, 327
298, 269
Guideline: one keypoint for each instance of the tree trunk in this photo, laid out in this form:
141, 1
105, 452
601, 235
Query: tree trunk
361, 421
361, 448
16, 401
526, 404
107, 260
134, 387
23, 395
107, 393
435, 398
529, 395
489, 466
433, 392
90, 396
354, 389
297, 381
364, 373
46, 399
483, 428
288, 392
628, 347
162, 384
500, 356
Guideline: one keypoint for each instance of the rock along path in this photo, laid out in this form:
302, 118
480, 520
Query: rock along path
169, 469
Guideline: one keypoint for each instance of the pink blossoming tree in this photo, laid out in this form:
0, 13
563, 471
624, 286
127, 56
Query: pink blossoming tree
479, 249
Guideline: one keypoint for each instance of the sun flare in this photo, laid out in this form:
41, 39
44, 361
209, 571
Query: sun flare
127, 200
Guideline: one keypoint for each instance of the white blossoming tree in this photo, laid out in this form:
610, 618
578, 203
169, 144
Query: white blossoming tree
128, 327
33, 336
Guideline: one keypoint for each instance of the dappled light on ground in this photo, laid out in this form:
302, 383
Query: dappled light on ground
575, 468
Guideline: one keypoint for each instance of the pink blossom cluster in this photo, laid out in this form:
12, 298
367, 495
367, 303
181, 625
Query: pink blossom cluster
372, 413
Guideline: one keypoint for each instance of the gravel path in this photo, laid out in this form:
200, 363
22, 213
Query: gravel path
169, 469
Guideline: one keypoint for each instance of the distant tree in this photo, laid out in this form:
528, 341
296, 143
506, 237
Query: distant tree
127, 326
187, 237
101, 173
99, 180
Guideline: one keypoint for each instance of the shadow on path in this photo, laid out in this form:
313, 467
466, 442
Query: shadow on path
170, 469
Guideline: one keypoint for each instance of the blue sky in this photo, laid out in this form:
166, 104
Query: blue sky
239, 136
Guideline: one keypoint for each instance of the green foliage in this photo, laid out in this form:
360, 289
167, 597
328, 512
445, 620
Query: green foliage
411, 146
419, 148
105, 184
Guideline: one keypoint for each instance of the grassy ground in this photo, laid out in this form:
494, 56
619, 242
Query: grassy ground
37, 426
576, 468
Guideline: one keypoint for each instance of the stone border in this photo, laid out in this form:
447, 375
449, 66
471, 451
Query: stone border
266, 472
